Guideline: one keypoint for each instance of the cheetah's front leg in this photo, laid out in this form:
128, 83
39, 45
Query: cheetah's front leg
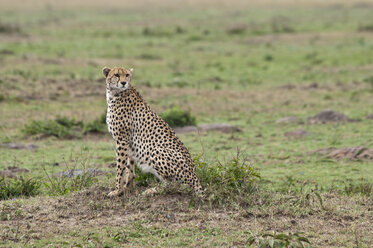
125, 172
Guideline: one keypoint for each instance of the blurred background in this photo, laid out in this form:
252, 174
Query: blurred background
288, 82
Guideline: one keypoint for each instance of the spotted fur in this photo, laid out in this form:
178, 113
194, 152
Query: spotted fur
142, 137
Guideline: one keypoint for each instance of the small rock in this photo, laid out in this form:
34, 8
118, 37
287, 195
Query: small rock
311, 86
19, 146
7, 173
297, 133
78, 172
186, 129
224, 128
288, 119
16, 169
327, 116
12, 172
287, 87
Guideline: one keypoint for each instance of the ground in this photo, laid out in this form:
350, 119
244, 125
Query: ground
246, 63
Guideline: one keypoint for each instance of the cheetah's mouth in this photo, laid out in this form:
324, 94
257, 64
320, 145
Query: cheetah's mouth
115, 88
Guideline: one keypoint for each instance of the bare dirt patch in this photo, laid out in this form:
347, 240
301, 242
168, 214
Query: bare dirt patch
91, 209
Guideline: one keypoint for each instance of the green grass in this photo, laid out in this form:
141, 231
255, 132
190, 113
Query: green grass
13, 188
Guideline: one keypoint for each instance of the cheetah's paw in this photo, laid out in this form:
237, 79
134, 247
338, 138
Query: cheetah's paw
114, 193
151, 191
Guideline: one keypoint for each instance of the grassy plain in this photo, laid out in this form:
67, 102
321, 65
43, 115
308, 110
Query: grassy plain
246, 63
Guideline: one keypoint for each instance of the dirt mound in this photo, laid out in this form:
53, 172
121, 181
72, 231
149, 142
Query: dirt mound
224, 128
288, 120
300, 133
370, 117
354, 153
328, 116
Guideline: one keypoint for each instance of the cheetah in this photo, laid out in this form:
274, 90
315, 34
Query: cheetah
143, 138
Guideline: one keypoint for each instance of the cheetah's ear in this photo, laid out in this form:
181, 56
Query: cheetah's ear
106, 71
131, 70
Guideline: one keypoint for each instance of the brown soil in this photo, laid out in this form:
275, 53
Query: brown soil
44, 216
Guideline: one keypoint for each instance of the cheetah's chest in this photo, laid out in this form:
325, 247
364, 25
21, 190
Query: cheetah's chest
109, 120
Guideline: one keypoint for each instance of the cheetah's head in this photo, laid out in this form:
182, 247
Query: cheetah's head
117, 79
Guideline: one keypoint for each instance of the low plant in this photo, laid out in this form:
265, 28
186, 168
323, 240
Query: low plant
302, 193
49, 128
95, 126
278, 240
360, 188
61, 127
177, 117
62, 184
234, 181
13, 188
64, 127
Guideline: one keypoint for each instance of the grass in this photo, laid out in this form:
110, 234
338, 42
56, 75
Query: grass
247, 64
13, 188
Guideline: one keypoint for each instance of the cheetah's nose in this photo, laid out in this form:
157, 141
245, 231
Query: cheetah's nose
123, 83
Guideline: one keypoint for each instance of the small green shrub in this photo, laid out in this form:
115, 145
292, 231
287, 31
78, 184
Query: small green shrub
64, 127
12, 188
231, 182
49, 128
61, 127
177, 117
278, 240
95, 126
69, 123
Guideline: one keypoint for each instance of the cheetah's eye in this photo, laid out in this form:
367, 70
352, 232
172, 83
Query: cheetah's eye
127, 75
117, 75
